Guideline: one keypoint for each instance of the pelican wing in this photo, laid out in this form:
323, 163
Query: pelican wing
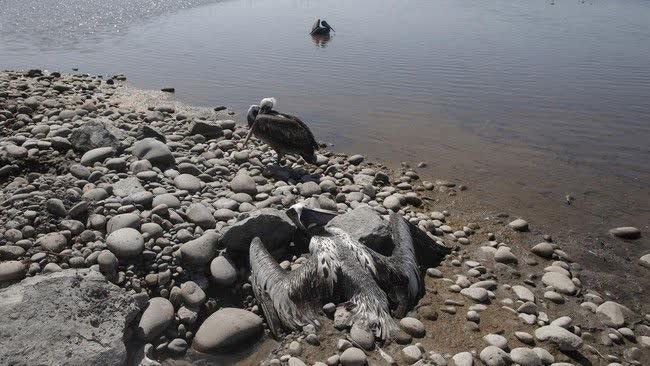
288, 299
315, 26
285, 130
400, 277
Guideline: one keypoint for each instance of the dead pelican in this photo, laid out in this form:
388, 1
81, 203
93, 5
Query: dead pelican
373, 287
284, 133
320, 28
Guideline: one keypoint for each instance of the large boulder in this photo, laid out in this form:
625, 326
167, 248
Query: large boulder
95, 134
274, 227
155, 151
226, 328
367, 226
72, 317
205, 128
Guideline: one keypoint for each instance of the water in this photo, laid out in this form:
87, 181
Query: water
535, 91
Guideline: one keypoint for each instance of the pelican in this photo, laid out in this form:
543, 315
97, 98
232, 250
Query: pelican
284, 133
372, 287
321, 28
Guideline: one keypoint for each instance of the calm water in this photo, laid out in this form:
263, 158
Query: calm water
406, 80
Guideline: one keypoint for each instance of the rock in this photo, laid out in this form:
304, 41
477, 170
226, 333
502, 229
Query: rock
193, 296
560, 282
645, 261
545, 356
523, 293
199, 252
274, 226
204, 128
188, 183
411, 354
177, 346
201, 216
463, 359
226, 328
10, 271
125, 243
392, 203
519, 225
126, 187
53, 242
107, 262
525, 357
95, 134
243, 183
83, 315
155, 151
56, 207
543, 249
223, 271
494, 356
97, 155
355, 159
309, 189
128, 220
477, 294
413, 327
627, 232
362, 336
496, 340
353, 357
565, 340
168, 199
155, 319
294, 361
613, 314
504, 255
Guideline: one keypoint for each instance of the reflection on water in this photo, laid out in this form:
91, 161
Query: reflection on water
321, 40
569, 80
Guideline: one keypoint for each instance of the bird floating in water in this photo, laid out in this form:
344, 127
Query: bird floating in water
284, 133
321, 28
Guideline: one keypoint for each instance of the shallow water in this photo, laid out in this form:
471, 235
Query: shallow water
566, 78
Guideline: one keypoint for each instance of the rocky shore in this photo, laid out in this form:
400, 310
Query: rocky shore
124, 225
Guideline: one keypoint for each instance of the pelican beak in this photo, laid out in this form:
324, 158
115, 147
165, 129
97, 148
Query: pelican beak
250, 132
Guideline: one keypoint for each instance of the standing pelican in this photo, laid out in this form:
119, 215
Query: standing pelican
320, 28
284, 133
372, 286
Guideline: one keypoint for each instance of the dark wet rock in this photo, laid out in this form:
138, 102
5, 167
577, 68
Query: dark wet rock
226, 328
223, 271
155, 151
199, 252
205, 128
95, 134
627, 232
83, 315
97, 155
201, 216
274, 226
157, 316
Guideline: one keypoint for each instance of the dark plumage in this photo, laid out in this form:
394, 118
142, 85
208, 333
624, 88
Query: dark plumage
320, 28
284, 133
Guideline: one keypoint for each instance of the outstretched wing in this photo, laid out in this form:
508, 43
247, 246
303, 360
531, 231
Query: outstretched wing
288, 299
400, 277
315, 26
285, 130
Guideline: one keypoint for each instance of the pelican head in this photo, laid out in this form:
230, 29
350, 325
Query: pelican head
267, 104
309, 219
326, 25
